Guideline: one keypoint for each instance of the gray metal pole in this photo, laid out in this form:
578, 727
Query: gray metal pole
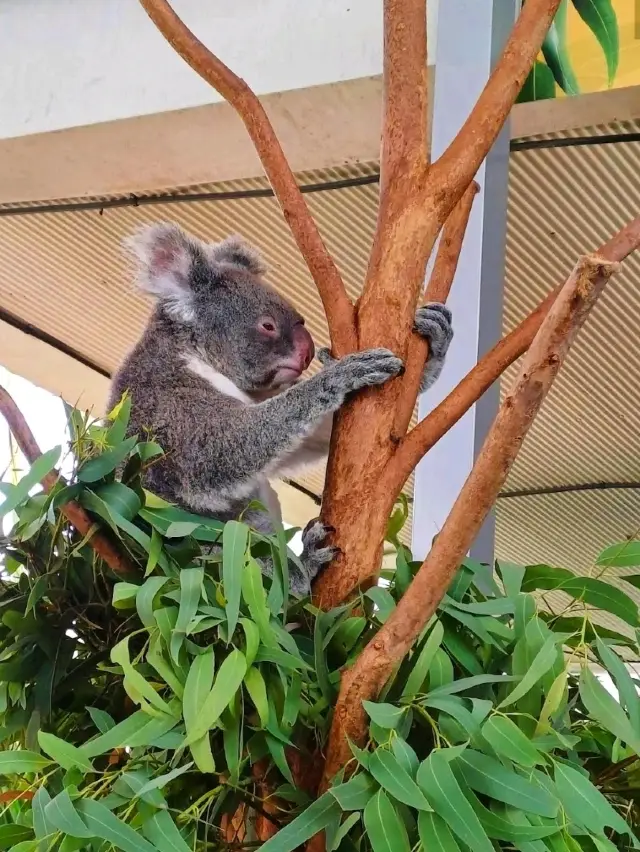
470, 36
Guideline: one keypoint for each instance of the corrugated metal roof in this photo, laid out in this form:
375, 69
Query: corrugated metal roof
62, 271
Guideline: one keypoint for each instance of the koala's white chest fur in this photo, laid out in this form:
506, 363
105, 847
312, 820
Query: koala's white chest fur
224, 385
215, 379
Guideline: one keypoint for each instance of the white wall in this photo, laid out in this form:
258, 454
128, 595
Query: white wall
65, 63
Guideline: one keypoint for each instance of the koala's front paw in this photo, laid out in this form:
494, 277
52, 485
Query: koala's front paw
364, 369
315, 552
433, 322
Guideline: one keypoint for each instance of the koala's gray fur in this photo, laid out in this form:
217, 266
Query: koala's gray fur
214, 378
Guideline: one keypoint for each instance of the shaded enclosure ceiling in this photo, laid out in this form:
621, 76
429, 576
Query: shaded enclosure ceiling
62, 274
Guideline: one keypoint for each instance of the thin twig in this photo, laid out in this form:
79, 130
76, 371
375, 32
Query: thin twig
488, 370
438, 288
337, 306
456, 167
117, 561
546, 354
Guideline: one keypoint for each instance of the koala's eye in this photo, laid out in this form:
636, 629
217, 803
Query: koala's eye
268, 326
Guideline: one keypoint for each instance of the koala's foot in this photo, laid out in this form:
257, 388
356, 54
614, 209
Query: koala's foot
433, 322
315, 552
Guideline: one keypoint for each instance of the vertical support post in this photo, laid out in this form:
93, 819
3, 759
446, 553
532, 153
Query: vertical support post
470, 37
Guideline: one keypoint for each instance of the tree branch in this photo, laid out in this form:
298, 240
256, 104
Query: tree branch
337, 306
548, 351
488, 370
456, 167
118, 562
437, 290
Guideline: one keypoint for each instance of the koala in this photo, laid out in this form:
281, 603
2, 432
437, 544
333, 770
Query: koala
215, 378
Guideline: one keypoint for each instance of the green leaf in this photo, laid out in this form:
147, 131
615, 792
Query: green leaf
539, 85
65, 754
355, 793
627, 690
120, 498
441, 674
315, 818
41, 824
161, 781
454, 707
134, 683
556, 53
542, 662
235, 537
146, 597
190, 593
489, 777
385, 715
158, 660
419, 672
36, 473
12, 834
439, 785
256, 599
107, 462
124, 595
600, 17
584, 804
405, 755
257, 690
139, 729
507, 739
382, 600
341, 832
277, 752
605, 709
385, 829
22, 762
435, 834
163, 832
596, 593
465, 683
226, 684
105, 825
196, 689
101, 719
395, 780
119, 417
61, 813
625, 554
252, 639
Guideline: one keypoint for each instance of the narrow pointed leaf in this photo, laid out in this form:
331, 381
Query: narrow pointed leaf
600, 17
65, 754
439, 785
542, 662
385, 829
435, 834
605, 709
105, 825
235, 537
226, 684
395, 780
507, 739
313, 819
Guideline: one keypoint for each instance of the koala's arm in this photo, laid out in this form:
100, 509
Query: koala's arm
433, 322
313, 450
233, 443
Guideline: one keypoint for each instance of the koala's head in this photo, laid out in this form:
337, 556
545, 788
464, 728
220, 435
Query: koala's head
215, 292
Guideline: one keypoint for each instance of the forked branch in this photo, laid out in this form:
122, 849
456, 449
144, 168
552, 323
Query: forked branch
437, 290
337, 306
488, 370
455, 169
539, 368
117, 561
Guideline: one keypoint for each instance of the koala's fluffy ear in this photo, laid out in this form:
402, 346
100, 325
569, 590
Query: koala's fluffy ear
164, 255
235, 251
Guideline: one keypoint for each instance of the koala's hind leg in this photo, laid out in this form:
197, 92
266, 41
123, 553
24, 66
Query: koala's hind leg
315, 552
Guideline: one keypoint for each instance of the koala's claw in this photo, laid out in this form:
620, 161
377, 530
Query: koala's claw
433, 322
315, 554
